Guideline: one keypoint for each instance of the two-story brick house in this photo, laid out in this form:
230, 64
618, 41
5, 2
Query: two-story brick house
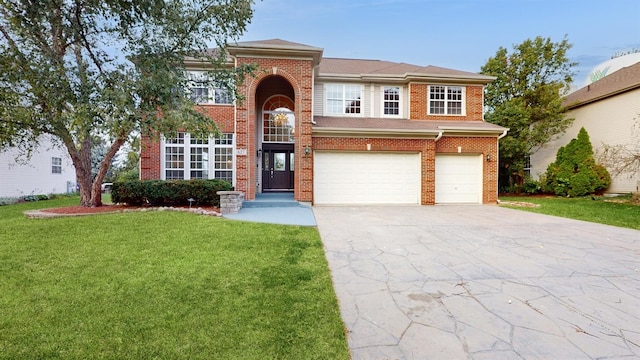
341, 131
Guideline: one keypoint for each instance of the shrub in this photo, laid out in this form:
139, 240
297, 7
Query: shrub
531, 187
38, 197
169, 193
8, 200
575, 172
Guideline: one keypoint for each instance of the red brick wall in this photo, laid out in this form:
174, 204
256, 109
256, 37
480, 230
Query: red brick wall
419, 102
150, 161
299, 74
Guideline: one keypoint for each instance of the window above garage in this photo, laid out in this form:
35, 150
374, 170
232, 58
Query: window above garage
343, 99
447, 100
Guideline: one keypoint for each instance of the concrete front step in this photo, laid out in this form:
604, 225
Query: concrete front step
265, 200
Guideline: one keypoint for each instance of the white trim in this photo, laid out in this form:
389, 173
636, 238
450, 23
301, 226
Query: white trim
463, 110
382, 101
193, 76
343, 99
211, 147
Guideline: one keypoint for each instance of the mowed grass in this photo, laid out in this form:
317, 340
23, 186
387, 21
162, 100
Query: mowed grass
163, 285
610, 211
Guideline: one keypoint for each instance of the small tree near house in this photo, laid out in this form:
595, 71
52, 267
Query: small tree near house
575, 172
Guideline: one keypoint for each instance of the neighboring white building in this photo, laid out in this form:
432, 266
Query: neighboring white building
48, 171
609, 109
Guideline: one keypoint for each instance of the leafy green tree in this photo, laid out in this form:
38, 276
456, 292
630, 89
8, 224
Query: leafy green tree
77, 69
526, 97
129, 168
575, 172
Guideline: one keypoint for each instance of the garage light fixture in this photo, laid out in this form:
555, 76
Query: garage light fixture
488, 157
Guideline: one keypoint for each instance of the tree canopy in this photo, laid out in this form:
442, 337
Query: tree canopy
527, 97
80, 69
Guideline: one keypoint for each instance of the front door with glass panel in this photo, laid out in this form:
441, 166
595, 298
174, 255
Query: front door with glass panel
278, 138
277, 167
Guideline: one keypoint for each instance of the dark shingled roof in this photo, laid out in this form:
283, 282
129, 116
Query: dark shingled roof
625, 79
380, 67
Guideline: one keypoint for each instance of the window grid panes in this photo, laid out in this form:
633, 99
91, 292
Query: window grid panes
391, 100
198, 165
343, 99
223, 163
446, 100
278, 126
56, 165
204, 90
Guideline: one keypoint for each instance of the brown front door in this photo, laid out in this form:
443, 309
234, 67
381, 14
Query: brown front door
277, 167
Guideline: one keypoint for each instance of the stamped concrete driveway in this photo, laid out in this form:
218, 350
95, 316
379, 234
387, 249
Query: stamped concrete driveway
482, 282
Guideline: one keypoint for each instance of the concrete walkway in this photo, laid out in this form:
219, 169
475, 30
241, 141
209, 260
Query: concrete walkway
482, 282
275, 208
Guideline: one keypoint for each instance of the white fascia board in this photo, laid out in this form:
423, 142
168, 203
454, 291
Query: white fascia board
377, 133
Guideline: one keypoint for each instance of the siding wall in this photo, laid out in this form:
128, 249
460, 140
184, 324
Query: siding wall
612, 121
34, 176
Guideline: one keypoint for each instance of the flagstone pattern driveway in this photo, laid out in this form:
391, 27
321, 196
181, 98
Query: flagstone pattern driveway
482, 282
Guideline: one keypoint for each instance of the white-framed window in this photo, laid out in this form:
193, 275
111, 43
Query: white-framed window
446, 100
187, 157
527, 166
391, 101
56, 165
203, 91
343, 99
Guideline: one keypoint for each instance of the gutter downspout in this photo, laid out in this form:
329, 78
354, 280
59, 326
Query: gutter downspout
503, 134
439, 135
235, 130
313, 81
497, 163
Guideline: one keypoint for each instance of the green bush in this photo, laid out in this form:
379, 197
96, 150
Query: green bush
531, 187
575, 172
169, 193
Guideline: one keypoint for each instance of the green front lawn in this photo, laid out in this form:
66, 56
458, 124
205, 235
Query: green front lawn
164, 285
603, 210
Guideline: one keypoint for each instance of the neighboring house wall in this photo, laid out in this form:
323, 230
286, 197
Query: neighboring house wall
48, 171
612, 121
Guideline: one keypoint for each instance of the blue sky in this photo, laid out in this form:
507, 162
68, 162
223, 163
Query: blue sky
460, 34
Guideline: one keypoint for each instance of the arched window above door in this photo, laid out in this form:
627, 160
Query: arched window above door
278, 120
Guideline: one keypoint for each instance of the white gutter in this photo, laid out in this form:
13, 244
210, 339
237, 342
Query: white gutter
503, 134
439, 135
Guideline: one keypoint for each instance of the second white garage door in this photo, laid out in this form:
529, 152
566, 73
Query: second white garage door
366, 178
458, 179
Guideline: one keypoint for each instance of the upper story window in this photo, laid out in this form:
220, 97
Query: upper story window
204, 91
446, 100
56, 165
343, 99
391, 101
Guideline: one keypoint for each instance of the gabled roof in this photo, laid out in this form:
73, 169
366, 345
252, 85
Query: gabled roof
387, 70
273, 43
623, 80
276, 48
376, 127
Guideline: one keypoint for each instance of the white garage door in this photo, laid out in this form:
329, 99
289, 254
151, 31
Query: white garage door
366, 178
458, 179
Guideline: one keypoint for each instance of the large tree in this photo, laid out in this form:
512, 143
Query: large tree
80, 69
527, 97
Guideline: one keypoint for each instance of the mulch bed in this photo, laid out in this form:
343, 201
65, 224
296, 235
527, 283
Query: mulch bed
82, 210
